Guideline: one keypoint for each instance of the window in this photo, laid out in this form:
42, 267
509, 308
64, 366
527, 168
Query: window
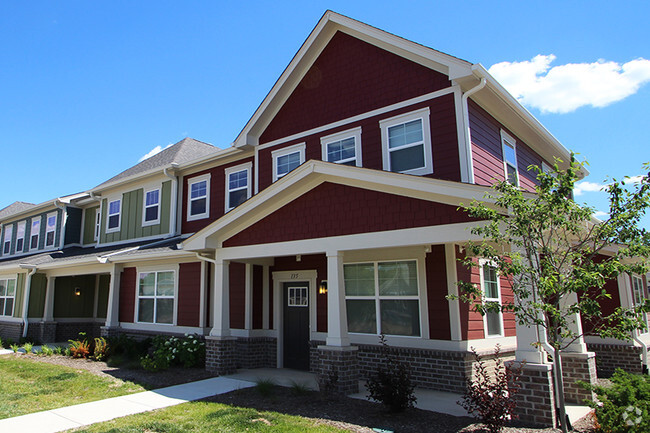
287, 159
406, 143
637, 290
35, 234
113, 221
20, 237
509, 146
382, 297
491, 292
238, 185
9, 231
50, 230
156, 297
97, 224
297, 297
151, 214
7, 297
343, 148
198, 200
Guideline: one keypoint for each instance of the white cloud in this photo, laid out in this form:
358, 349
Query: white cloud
565, 88
586, 186
153, 152
600, 214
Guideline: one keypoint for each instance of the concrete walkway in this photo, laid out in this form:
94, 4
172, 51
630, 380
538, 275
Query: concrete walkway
79, 415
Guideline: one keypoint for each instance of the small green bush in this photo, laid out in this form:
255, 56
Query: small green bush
14, 347
58, 350
100, 351
45, 351
28, 347
264, 386
188, 351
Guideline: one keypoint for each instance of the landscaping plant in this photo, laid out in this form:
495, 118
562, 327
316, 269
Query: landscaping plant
101, 349
79, 348
28, 348
188, 351
15, 348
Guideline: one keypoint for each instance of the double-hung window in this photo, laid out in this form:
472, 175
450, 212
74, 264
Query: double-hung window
493, 320
156, 297
98, 219
509, 148
113, 220
20, 237
50, 229
383, 298
198, 200
9, 231
35, 233
151, 214
343, 147
287, 159
238, 185
638, 293
7, 296
406, 143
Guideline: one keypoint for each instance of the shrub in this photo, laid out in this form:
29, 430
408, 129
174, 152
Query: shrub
79, 348
492, 396
58, 350
45, 351
1, 344
100, 351
391, 385
15, 348
625, 405
264, 386
28, 347
154, 363
188, 351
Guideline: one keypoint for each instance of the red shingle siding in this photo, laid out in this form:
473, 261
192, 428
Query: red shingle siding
189, 294
237, 274
439, 328
258, 296
335, 210
350, 77
128, 281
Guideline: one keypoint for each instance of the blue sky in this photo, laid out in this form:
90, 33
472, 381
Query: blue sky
88, 88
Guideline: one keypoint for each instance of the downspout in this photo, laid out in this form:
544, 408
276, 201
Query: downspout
98, 198
468, 132
64, 219
28, 287
174, 199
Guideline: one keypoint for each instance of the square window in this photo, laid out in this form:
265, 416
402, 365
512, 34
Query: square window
406, 143
343, 147
287, 159
156, 293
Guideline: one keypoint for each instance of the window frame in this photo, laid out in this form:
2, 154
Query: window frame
153, 222
7, 242
248, 168
340, 136
482, 264
377, 298
98, 224
5, 296
109, 214
22, 224
276, 154
385, 124
174, 297
194, 180
36, 221
47, 228
509, 141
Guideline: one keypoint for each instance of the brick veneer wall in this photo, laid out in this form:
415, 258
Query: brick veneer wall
220, 355
11, 331
578, 367
256, 352
70, 330
337, 369
609, 357
536, 398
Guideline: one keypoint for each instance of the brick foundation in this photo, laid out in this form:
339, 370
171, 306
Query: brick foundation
338, 369
536, 398
578, 367
70, 330
256, 352
11, 331
609, 357
109, 331
220, 355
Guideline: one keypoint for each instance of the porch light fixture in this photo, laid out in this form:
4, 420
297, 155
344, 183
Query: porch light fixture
77, 291
322, 288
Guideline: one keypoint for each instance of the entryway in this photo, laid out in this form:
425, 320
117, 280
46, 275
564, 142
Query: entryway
296, 324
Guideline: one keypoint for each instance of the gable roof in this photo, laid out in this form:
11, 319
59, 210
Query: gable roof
14, 208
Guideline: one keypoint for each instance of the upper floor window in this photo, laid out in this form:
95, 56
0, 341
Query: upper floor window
156, 297
7, 296
35, 233
287, 159
198, 200
406, 143
343, 147
50, 229
98, 220
491, 294
151, 214
238, 185
20, 237
113, 220
637, 290
9, 231
509, 146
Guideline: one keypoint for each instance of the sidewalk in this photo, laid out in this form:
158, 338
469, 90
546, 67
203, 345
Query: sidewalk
65, 418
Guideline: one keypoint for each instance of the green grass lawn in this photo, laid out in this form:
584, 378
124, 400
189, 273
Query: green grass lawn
208, 417
28, 386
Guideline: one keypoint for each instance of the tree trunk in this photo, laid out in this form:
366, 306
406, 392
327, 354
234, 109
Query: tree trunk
559, 380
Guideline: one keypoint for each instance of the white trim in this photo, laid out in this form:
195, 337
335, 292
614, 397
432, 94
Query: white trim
354, 133
247, 167
23, 224
191, 181
56, 220
452, 289
482, 264
289, 150
509, 141
109, 214
156, 269
386, 124
158, 205
154, 327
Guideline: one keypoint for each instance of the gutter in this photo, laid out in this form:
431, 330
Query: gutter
468, 132
174, 198
28, 287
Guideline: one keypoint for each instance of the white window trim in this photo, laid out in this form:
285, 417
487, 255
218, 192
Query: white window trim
56, 218
510, 140
422, 114
339, 136
38, 235
482, 263
140, 270
377, 298
300, 147
98, 224
191, 181
24, 224
248, 167
13, 307
108, 215
146, 223
5, 241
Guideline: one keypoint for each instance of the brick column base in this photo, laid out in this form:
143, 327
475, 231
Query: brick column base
220, 355
578, 367
536, 398
42, 332
109, 331
337, 369
609, 357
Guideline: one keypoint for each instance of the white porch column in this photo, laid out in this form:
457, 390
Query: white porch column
265, 298
48, 311
337, 320
202, 296
113, 310
575, 325
452, 289
248, 297
221, 300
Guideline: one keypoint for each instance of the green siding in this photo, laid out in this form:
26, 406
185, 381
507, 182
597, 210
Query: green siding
89, 225
102, 297
67, 304
20, 295
28, 232
37, 296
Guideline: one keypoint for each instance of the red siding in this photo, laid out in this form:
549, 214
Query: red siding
488, 155
127, 294
334, 210
189, 294
350, 77
237, 274
258, 296
217, 195
439, 328
508, 298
